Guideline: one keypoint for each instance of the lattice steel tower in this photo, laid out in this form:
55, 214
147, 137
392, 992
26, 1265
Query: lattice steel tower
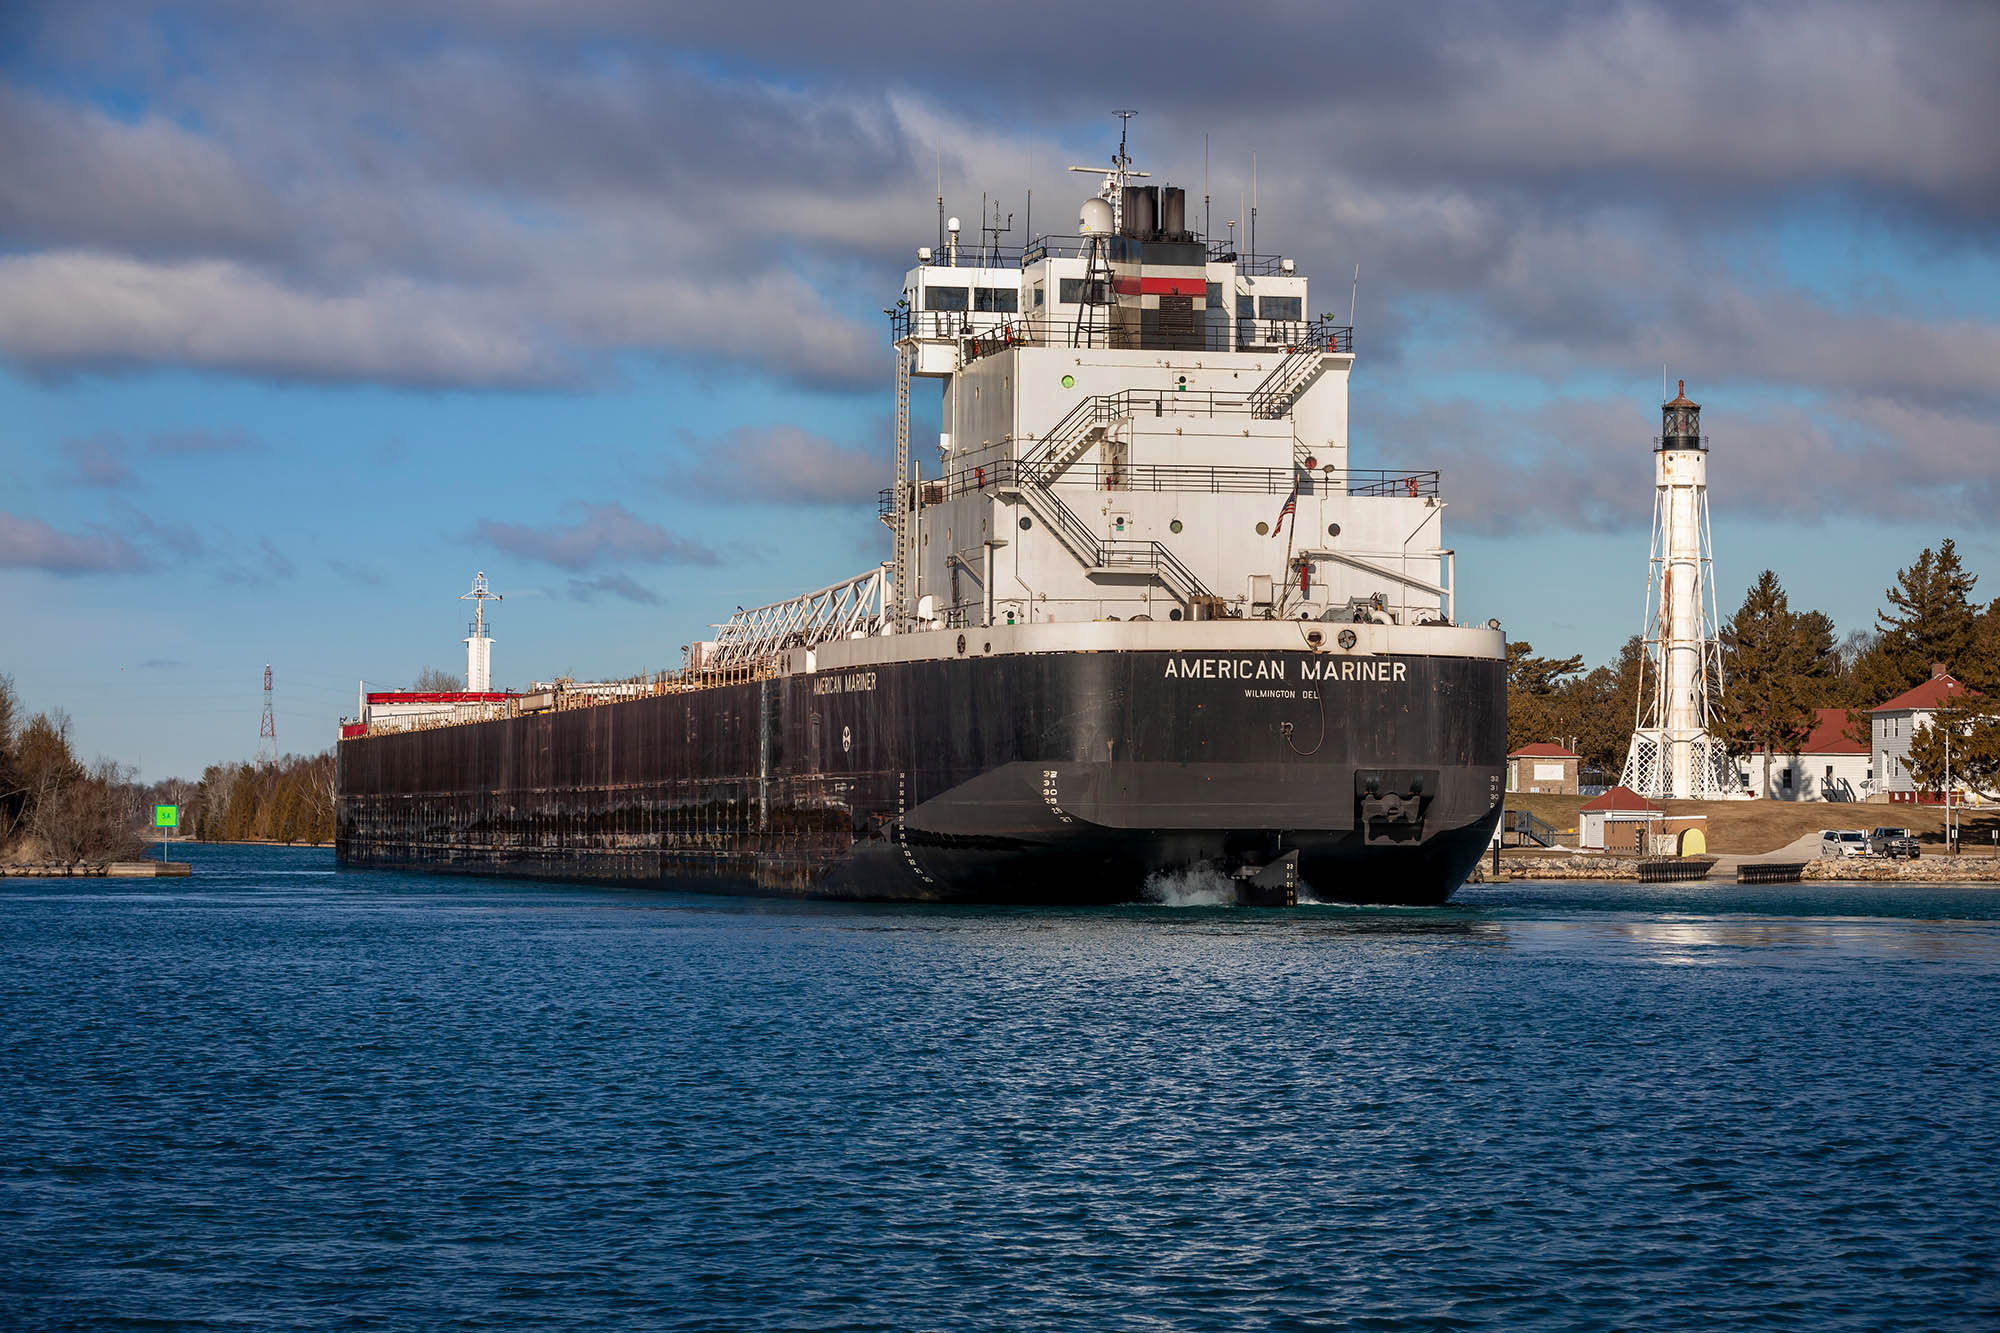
267, 730
1680, 687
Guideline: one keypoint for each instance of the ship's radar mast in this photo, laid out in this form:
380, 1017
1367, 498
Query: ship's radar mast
478, 644
1112, 191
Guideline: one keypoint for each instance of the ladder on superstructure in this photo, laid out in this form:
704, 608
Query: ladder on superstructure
900, 605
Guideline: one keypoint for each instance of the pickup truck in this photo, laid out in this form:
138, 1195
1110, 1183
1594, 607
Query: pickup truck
1893, 842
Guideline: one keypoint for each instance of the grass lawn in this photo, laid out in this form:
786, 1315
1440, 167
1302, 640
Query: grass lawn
1752, 827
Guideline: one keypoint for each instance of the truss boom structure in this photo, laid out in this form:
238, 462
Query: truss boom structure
841, 610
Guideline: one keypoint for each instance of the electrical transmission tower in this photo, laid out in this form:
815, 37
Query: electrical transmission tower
267, 730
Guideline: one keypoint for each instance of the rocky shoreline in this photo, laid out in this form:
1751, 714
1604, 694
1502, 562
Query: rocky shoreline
1615, 869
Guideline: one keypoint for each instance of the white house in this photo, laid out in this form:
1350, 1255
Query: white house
1893, 723
1828, 765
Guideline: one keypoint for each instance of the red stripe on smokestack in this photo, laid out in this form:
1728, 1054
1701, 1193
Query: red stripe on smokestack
1160, 286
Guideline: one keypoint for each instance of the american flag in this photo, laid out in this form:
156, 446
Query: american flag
1291, 507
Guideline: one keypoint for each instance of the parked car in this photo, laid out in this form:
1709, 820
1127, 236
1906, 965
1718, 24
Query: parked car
1843, 842
1894, 842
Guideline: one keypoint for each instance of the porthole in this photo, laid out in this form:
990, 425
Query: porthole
1333, 529
1174, 526
961, 645
1026, 522
1174, 614
1069, 381
1263, 529
1348, 639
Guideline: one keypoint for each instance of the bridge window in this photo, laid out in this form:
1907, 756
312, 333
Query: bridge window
1280, 307
1246, 306
944, 298
1002, 300
1072, 291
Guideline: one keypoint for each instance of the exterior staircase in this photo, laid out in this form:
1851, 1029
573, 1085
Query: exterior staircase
1282, 387
1101, 557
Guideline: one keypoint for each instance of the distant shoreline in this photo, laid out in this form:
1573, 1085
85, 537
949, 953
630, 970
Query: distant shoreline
236, 842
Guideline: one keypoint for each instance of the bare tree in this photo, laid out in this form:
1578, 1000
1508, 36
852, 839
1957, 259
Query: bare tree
91, 817
431, 680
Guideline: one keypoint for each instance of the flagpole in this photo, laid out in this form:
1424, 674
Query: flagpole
1291, 507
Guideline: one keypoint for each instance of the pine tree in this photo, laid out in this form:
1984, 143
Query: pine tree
1930, 618
1532, 684
1778, 664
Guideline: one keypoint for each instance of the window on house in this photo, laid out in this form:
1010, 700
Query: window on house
1280, 307
997, 300
944, 298
1829, 774
1785, 779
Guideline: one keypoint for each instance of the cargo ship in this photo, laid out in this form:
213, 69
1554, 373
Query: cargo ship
1139, 618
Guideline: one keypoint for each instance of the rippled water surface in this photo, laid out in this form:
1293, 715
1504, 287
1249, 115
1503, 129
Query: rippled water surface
274, 1096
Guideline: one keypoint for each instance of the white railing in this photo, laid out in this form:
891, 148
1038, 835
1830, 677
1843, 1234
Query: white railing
841, 610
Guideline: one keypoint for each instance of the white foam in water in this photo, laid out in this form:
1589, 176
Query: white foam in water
1196, 886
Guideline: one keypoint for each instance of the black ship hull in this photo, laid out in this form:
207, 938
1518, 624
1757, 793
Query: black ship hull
1073, 777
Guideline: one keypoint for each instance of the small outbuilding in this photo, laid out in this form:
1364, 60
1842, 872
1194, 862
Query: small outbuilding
1622, 820
1543, 769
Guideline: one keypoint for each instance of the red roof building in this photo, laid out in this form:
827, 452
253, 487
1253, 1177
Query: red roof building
1892, 724
1827, 765
1544, 769
1935, 693
1621, 798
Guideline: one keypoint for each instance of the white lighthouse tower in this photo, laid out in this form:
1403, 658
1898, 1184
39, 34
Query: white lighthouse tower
1672, 753
478, 643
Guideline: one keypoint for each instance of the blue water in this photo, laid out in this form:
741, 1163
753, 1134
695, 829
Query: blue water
276, 1096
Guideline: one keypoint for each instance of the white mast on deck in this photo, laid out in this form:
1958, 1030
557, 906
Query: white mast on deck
478, 644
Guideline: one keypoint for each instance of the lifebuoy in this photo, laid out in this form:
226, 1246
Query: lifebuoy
1411, 482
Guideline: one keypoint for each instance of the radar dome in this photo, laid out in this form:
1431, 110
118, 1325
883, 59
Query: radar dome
1094, 218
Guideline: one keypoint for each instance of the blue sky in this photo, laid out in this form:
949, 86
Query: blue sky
307, 314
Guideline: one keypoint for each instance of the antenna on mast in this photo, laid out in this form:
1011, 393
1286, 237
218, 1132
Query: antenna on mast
1353, 296
478, 644
1205, 238
1113, 189
940, 201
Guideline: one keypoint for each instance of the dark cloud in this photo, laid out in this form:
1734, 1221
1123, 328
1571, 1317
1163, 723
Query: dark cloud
438, 193
775, 465
601, 532
615, 585
29, 543
366, 575
97, 461
172, 537
1587, 463
231, 440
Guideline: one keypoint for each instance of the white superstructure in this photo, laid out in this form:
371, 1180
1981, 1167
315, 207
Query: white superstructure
1137, 423
1672, 753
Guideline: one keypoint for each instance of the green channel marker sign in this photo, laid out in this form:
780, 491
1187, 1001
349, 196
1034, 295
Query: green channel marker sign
166, 816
